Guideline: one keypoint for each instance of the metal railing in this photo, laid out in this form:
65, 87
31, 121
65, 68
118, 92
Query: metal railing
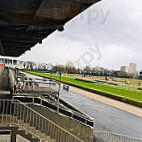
105, 136
83, 118
59, 109
11, 111
9, 115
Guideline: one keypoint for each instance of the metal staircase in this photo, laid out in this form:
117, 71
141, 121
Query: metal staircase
31, 125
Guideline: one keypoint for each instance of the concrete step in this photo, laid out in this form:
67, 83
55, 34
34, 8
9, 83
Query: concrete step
23, 134
48, 139
28, 133
36, 133
32, 129
35, 140
44, 136
21, 122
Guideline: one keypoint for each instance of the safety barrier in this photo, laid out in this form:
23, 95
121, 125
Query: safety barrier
59, 109
11, 111
104, 136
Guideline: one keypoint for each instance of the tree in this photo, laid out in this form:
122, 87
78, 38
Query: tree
70, 68
87, 70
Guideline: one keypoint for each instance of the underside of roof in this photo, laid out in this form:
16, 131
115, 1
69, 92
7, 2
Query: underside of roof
24, 23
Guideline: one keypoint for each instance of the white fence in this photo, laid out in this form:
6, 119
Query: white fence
105, 136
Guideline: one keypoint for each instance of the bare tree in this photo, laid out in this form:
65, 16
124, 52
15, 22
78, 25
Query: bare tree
70, 68
87, 70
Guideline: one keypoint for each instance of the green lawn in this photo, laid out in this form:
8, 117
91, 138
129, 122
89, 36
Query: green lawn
125, 91
131, 81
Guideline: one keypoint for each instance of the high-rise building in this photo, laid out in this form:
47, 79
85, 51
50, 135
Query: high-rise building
124, 68
132, 68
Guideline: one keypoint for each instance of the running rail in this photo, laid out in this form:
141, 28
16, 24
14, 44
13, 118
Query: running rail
105, 136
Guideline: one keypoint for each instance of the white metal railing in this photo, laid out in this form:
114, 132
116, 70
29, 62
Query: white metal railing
82, 118
8, 116
11, 111
105, 136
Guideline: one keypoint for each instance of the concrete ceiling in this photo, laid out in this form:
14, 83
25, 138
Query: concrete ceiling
24, 23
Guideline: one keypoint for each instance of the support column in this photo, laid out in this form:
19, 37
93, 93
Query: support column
13, 135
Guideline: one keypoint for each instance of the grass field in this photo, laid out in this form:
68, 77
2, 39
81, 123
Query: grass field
120, 80
123, 80
131, 81
124, 91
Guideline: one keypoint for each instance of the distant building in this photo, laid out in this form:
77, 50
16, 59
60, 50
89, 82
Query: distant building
132, 68
124, 68
11, 62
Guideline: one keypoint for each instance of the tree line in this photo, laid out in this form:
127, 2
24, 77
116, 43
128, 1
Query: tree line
69, 68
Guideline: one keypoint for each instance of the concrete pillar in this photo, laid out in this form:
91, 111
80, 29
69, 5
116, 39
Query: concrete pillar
13, 136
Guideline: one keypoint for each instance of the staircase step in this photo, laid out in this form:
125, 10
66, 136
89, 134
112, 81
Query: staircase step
38, 133
21, 122
32, 129
21, 131
44, 135
23, 134
35, 139
26, 125
48, 139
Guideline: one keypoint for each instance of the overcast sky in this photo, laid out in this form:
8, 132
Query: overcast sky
108, 34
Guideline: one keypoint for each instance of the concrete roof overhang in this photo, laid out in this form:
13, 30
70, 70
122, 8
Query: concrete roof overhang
24, 23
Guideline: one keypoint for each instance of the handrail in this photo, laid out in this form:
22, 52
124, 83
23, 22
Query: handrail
81, 118
85, 117
108, 136
36, 120
7, 117
48, 120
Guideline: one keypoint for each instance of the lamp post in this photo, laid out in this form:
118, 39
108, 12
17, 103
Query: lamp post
59, 84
